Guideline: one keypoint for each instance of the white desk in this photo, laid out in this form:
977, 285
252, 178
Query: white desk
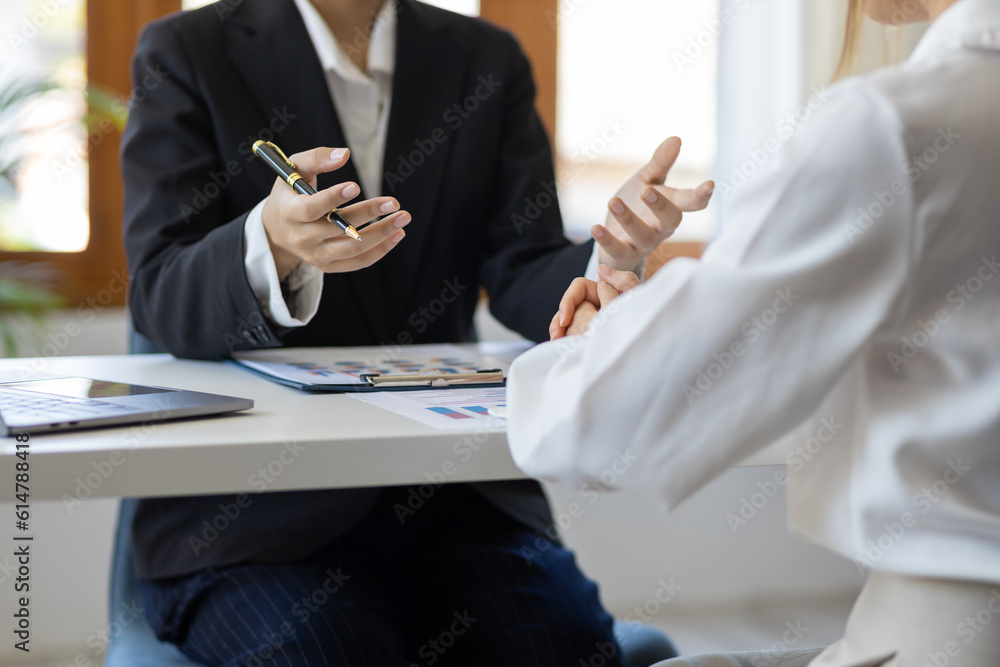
315, 441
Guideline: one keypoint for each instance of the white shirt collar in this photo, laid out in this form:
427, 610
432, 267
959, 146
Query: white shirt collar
972, 24
381, 43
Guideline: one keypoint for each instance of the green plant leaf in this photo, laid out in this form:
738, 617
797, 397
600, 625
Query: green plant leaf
103, 103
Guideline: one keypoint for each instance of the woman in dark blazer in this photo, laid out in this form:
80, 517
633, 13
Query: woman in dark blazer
338, 577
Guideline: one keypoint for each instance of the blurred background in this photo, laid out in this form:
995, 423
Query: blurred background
615, 78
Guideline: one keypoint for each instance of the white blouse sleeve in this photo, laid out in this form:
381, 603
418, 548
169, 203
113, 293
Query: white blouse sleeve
305, 282
711, 360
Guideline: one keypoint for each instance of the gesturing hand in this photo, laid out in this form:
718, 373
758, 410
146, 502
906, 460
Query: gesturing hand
644, 212
298, 232
585, 298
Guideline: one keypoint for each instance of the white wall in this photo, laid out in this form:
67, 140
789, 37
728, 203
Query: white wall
71, 550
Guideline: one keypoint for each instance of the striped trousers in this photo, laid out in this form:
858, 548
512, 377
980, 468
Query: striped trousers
457, 583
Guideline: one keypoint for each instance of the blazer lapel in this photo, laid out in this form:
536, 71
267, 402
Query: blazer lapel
428, 80
273, 53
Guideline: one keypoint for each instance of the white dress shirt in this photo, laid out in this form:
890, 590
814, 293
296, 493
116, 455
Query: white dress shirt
854, 300
362, 102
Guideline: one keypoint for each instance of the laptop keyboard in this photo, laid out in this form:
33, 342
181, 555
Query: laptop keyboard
25, 407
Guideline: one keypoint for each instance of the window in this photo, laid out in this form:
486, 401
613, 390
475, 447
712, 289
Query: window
775, 60
90, 260
631, 74
44, 205
468, 7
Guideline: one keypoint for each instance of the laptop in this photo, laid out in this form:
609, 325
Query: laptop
68, 403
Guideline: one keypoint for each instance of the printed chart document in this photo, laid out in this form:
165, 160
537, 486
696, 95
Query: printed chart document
341, 369
449, 409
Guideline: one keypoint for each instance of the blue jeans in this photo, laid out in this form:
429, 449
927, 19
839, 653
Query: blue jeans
458, 583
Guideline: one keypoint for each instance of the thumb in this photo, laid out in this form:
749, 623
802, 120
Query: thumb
606, 292
622, 281
655, 171
319, 161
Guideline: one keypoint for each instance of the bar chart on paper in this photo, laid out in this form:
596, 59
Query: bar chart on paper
446, 409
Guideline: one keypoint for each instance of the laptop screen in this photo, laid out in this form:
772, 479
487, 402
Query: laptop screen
76, 387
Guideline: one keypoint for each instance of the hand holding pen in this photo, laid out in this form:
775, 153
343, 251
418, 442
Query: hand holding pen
298, 228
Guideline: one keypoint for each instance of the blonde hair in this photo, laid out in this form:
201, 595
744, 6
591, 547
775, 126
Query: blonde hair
852, 38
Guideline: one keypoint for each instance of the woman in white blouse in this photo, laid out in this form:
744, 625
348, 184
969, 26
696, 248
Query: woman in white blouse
854, 295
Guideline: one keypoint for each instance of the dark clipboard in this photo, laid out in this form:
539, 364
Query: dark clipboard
483, 379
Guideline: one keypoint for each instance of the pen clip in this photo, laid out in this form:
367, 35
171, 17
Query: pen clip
277, 150
282, 154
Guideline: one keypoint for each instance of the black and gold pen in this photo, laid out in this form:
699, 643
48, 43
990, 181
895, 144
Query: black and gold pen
285, 170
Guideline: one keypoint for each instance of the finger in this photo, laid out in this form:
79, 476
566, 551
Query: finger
365, 211
366, 258
579, 291
622, 281
307, 208
607, 292
690, 200
642, 235
656, 170
319, 161
614, 246
581, 319
668, 217
556, 330
327, 243
320, 241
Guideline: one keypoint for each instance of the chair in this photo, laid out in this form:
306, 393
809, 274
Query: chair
137, 646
